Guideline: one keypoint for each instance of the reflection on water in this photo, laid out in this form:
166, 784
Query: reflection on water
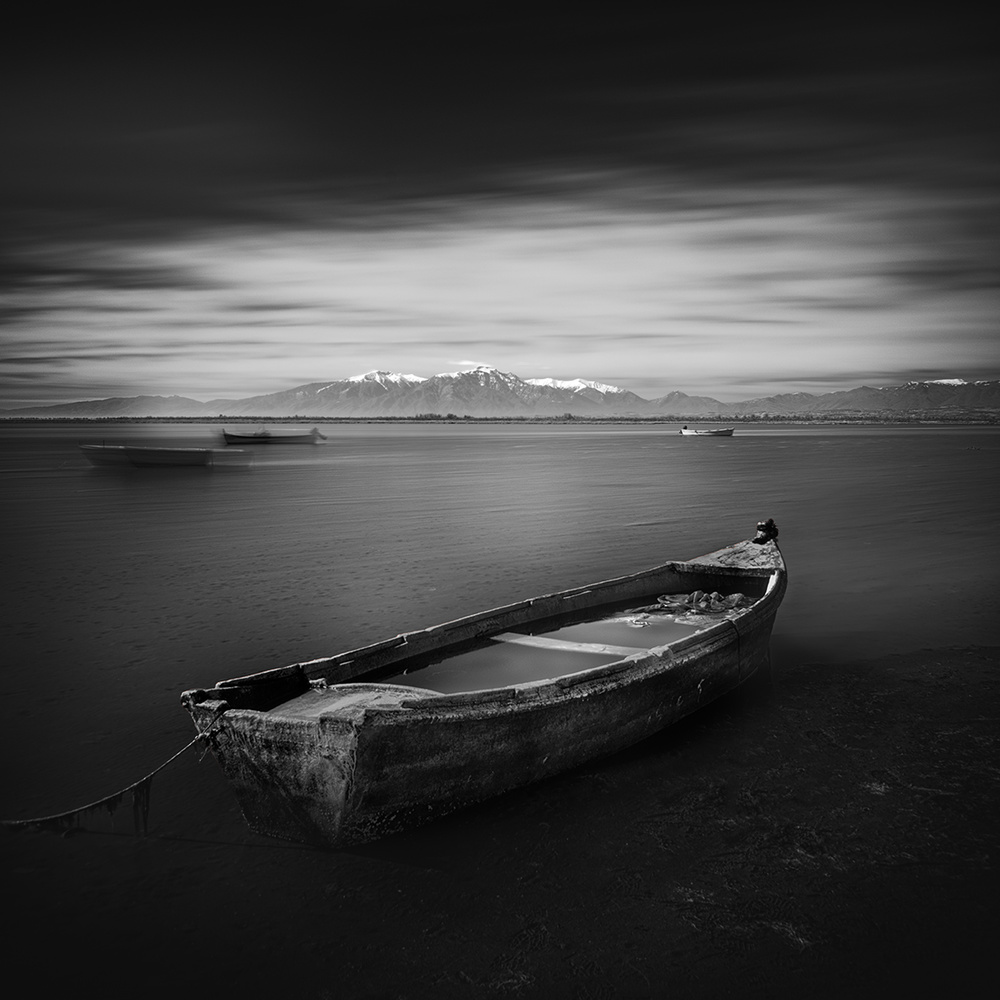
516, 658
497, 664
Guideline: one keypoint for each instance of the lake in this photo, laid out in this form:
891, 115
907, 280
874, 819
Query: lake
126, 587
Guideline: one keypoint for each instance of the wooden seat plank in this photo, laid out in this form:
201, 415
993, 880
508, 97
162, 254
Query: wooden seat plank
566, 645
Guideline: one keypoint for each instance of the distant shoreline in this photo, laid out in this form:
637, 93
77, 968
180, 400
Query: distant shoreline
983, 420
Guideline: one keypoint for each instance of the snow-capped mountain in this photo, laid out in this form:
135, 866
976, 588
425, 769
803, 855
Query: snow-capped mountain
485, 391
596, 392
386, 379
374, 393
576, 384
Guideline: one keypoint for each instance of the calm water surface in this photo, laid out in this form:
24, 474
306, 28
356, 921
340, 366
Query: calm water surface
125, 588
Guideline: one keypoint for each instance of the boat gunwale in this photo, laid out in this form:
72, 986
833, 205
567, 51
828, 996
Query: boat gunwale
413, 703
528, 692
548, 689
455, 624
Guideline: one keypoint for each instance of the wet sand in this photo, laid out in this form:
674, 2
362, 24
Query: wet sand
830, 831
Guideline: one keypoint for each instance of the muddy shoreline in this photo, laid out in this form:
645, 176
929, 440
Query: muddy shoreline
830, 831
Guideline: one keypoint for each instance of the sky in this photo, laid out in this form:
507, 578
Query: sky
657, 200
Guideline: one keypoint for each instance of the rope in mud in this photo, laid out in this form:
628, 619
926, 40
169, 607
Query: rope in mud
140, 790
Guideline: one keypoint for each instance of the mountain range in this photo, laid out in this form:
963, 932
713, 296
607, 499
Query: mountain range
488, 392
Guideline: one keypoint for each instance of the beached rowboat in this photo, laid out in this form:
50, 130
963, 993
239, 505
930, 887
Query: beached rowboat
352, 747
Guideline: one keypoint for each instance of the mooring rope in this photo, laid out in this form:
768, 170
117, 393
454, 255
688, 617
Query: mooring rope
140, 800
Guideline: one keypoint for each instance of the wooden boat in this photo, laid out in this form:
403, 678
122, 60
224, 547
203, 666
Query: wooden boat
148, 456
351, 747
718, 432
270, 437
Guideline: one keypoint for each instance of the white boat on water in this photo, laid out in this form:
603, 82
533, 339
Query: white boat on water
720, 432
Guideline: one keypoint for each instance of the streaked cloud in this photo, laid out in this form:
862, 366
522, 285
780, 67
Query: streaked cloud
831, 274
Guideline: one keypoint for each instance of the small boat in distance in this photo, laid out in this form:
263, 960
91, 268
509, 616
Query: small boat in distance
721, 432
264, 436
355, 746
150, 456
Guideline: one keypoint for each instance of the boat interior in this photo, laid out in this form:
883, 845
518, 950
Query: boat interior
508, 646
565, 645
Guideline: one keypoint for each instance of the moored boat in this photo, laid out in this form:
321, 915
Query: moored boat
265, 436
711, 432
355, 746
151, 456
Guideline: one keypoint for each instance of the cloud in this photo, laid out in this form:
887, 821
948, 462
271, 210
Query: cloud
595, 275
88, 266
37, 360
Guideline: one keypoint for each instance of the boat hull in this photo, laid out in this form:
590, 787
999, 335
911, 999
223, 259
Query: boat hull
721, 432
158, 457
150, 457
318, 754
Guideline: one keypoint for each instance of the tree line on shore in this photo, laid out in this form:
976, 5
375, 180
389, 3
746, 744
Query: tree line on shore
990, 417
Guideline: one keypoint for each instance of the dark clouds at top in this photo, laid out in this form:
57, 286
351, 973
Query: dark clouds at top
174, 119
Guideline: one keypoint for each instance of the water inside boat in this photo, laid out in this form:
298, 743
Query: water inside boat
523, 656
